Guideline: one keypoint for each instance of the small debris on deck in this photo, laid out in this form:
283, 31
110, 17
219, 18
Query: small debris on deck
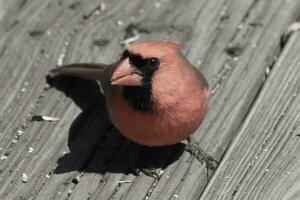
44, 118
130, 40
101, 42
36, 33
294, 27
76, 179
234, 51
121, 182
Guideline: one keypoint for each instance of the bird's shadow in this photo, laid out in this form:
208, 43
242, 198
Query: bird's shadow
94, 144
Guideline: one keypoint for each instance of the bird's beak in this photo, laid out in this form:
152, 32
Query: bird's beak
126, 74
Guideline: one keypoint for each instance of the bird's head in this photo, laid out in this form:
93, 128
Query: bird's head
139, 63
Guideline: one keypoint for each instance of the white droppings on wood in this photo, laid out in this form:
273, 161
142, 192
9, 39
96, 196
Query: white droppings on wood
120, 23
60, 59
14, 141
62, 54
3, 157
24, 178
30, 150
20, 132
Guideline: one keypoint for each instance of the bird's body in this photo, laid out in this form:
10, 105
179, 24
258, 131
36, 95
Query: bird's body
154, 96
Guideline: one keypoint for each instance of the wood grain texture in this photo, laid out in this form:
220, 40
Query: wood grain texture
35, 36
263, 161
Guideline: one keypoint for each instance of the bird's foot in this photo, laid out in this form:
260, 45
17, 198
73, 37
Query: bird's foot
152, 172
193, 147
135, 158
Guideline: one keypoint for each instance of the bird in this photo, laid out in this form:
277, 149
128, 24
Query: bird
154, 95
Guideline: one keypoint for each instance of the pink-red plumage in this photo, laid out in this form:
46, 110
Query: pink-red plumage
179, 93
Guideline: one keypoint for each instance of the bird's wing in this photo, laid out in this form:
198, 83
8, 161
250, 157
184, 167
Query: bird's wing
83, 70
91, 71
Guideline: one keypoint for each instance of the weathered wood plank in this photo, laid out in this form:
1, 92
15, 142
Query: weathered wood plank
263, 161
240, 80
48, 140
4, 6
38, 35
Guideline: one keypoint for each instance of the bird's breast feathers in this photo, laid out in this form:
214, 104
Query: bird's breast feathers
176, 114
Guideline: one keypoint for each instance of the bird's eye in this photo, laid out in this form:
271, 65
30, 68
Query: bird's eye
153, 63
125, 54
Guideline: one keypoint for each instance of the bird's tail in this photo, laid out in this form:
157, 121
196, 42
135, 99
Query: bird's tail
83, 70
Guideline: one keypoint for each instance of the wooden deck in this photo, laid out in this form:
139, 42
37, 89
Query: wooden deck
247, 49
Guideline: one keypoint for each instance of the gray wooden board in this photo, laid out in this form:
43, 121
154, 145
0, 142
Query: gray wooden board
263, 161
35, 36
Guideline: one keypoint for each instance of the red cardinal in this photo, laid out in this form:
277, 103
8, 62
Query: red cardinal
154, 96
